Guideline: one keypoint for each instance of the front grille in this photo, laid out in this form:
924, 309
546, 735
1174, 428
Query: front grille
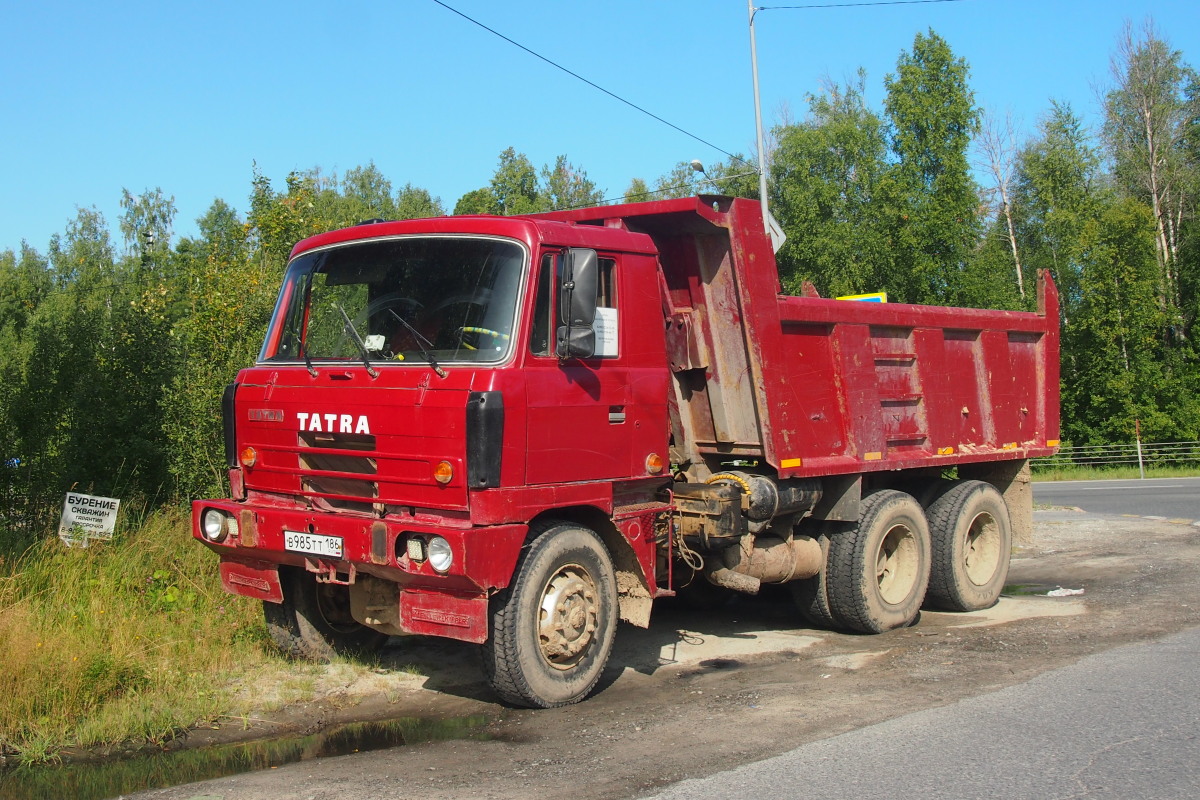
325, 452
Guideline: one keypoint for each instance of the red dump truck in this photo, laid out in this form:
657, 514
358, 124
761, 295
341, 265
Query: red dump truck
515, 431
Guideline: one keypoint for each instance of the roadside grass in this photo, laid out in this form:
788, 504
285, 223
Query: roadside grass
1059, 472
132, 639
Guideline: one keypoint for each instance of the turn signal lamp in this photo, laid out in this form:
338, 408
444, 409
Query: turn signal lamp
443, 472
248, 457
654, 464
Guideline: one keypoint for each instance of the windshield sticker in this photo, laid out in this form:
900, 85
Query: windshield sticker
605, 327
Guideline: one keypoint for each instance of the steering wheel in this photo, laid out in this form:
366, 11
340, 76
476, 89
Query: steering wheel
462, 332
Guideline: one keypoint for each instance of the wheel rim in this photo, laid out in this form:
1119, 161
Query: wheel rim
981, 553
569, 616
896, 564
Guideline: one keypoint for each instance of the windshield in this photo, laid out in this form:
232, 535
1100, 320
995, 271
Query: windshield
408, 299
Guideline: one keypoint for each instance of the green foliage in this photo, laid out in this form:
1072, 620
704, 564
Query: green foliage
515, 184
413, 202
826, 173
566, 186
1118, 369
637, 192
219, 331
515, 188
929, 199
1056, 195
477, 201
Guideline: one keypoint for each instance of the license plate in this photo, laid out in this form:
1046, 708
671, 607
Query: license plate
313, 543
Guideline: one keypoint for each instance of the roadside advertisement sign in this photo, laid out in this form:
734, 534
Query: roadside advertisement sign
85, 518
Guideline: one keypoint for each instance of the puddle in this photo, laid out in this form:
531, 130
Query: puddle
105, 779
1028, 589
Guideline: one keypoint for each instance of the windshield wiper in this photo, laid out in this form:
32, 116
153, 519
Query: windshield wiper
418, 338
352, 332
307, 358
303, 335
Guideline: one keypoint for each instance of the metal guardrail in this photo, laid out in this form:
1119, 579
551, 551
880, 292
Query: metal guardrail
1143, 454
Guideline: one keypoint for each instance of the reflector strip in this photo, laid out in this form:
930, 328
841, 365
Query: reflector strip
872, 456
945, 451
788, 463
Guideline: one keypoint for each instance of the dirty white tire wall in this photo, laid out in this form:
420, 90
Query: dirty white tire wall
552, 630
972, 546
879, 569
313, 622
812, 595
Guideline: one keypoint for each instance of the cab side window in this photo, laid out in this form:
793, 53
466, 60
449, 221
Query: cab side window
545, 320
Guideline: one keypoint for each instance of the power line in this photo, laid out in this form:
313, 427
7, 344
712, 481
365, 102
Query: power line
590, 83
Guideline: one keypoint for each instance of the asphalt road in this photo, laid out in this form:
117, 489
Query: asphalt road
1119, 724
1169, 498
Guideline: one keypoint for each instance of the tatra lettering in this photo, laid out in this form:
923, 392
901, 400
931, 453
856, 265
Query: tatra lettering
333, 423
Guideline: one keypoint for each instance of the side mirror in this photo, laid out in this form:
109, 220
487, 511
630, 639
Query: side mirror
578, 279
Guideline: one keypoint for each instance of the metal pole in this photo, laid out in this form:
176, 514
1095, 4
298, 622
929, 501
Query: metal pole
762, 154
1137, 434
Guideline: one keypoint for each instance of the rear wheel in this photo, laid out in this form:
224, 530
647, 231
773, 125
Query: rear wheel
879, 569
812, 594
972, 545
552, 629
313, 622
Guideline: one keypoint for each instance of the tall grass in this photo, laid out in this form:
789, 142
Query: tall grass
128, 639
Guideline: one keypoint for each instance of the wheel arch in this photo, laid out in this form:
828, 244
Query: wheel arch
635, 588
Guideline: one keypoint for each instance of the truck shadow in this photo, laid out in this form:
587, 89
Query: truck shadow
678, 635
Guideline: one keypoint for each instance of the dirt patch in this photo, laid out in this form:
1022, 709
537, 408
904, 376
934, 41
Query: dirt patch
701, 692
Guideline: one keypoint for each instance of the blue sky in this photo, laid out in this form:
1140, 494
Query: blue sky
188, 96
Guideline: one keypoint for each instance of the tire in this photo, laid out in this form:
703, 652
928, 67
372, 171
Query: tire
552, 629
879, 569
972, 545
313, 622
811, 595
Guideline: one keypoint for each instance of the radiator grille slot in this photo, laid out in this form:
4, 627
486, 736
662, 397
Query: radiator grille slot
336, 441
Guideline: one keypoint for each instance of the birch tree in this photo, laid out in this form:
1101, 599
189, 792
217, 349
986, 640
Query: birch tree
997, 151
1146, 116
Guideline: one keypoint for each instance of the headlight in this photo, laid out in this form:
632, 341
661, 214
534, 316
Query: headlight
212, 524
440, 554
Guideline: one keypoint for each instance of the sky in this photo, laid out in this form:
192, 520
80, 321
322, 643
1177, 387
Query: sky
192, 97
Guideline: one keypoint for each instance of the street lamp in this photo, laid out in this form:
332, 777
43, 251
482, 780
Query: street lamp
758, 126
772, 228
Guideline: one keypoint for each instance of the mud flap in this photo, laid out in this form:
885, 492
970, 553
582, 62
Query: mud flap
454, 616
258, 580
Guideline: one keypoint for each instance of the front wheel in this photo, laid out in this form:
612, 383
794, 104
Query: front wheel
552, 629
879, 569
314, 623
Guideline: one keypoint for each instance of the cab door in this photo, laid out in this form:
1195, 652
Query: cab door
580, 425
